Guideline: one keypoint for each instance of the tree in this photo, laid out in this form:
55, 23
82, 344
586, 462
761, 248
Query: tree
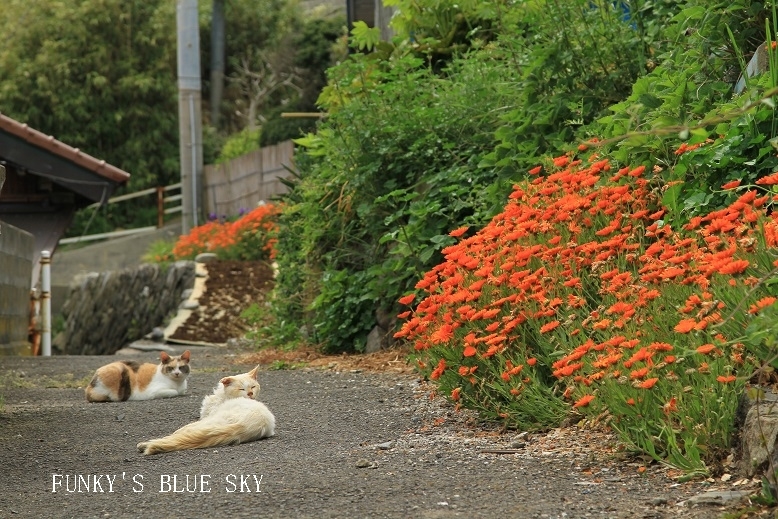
99, 75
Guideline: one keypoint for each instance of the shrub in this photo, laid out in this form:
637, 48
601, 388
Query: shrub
379, 183
250, 237
579, 292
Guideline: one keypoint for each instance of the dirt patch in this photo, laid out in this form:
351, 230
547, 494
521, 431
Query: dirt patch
231, 287
386, 361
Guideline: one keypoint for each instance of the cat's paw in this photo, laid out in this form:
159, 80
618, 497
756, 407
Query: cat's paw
142, 447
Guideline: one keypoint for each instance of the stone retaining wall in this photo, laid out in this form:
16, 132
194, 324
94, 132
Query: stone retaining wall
106, 311
16, 256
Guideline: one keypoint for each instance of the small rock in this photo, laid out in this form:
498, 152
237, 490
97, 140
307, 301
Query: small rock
119, 418
384, 446
659, 501
189, 305
205, 257
718, 498
518, 445
363, 463
157, 334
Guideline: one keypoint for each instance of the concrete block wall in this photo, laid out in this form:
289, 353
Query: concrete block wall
16, 257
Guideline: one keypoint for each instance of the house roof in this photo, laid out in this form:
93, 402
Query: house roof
27, 150
43, 155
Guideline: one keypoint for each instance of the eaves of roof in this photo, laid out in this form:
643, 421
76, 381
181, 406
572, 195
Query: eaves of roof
52, 145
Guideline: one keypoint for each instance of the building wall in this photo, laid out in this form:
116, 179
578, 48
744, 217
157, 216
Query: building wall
16, 260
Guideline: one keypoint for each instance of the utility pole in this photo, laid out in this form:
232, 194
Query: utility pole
189, 114
217, 60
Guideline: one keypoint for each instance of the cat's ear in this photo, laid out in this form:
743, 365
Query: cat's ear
185, 356
253, 373
226, 381
164, 357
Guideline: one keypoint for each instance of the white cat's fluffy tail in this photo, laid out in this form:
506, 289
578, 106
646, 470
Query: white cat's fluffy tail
223, 428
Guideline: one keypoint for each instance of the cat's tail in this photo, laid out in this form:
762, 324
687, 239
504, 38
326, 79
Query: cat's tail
200, 435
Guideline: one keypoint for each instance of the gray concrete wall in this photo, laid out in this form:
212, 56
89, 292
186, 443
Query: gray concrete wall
16, 256
109, 255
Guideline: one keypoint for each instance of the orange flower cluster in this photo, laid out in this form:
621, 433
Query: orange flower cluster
581, 272
249, 237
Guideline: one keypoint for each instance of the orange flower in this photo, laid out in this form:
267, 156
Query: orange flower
726, 379
671, 406
455, 394
442, 335
768, 180
549, 326
532, 361
731, 185
536, 170
734, 267
406, 300
706, 349
649, 383
602, 325
438, 371
459, 232
584, 401
469, 351
638, 373
562, 161
630, 401
685, 326
765, 301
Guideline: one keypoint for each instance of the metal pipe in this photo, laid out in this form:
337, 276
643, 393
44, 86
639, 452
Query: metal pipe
193, 141
46, 303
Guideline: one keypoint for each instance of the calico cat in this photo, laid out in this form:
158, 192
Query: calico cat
231, 415
129, 380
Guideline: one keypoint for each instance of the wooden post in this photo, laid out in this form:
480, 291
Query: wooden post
2, 177
160, 207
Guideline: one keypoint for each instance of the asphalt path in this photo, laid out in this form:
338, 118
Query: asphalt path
347, 444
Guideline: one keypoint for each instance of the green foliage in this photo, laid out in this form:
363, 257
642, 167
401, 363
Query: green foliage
440, 29
315, 47
364, 37
254, 28
408, 151
98, 75
239, 144
160, 251
381, 182
570, 67
687, 99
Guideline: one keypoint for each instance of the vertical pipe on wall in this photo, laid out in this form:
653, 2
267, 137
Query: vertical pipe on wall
46, 303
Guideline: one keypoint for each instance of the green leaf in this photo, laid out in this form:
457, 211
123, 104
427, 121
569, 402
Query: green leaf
364, 37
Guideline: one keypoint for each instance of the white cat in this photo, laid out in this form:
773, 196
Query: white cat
231, 415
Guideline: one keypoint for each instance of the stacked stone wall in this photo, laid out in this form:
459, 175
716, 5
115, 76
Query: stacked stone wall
106, 311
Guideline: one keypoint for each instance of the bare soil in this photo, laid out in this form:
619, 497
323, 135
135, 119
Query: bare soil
231, 287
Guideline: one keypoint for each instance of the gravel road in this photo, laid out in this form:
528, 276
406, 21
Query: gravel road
347, 444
